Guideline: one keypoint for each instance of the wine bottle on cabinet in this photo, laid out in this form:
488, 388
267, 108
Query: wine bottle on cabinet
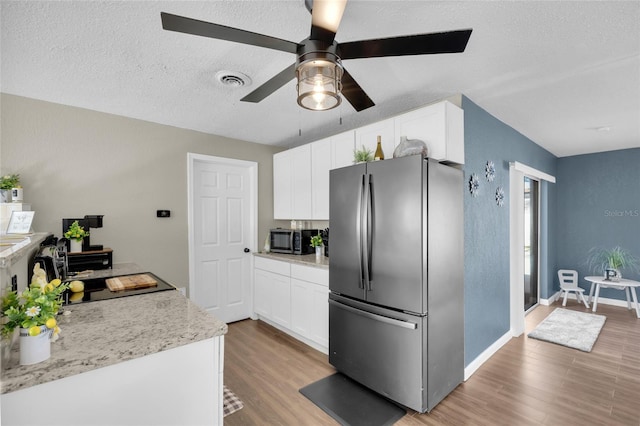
379, 155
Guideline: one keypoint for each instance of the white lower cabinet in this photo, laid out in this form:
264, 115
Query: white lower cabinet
296, 303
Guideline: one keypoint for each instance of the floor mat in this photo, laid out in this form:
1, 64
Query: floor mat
350, 403
231, 402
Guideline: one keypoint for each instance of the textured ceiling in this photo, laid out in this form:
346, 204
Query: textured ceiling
556, 71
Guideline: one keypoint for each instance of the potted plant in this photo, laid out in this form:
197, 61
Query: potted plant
610, 262
33, 312
362, 155
316, 241
76, 234
7, 183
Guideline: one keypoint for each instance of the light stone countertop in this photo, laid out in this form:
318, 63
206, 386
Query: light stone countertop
103, 333
13, 247
305, 259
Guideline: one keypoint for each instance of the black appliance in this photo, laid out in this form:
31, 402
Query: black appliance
292, 241
96, 289
396, 322
89, 221
52, 258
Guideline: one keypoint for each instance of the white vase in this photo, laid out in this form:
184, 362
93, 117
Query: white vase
35, 349
319, 251
76, 246
5, 195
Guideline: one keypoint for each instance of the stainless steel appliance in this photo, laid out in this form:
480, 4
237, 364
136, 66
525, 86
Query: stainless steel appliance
396, 278
292, 241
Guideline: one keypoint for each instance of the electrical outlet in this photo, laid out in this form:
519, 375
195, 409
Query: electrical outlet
163, 213
14, 283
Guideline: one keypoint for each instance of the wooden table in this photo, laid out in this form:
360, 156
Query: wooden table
629, 286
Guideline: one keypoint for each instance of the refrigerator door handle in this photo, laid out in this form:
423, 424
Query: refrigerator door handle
359, 234
387, 320
364, 229
369, 230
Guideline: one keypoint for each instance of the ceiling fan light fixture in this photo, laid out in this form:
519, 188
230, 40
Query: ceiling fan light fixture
319, 84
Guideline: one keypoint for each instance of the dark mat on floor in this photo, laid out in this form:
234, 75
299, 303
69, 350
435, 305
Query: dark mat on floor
350, 403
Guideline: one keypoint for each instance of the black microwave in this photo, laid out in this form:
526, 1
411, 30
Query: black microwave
292, 241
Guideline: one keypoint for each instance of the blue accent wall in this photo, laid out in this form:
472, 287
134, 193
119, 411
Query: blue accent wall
598, 206
487, 301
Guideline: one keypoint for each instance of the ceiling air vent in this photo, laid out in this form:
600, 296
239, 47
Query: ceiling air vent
233, 78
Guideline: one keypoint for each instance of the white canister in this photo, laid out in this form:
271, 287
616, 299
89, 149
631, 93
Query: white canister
17, 195
35, 349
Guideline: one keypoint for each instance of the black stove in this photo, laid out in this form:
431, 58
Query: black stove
96, 289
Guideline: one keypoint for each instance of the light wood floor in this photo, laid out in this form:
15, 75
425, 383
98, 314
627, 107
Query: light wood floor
527, 382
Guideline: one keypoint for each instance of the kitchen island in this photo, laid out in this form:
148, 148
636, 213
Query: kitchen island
147, 359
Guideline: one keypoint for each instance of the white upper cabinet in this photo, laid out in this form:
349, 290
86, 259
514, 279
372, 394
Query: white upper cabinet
292, 183
320, 166
282, 207
440, 126
301, 174
342, 147
368, 136
301, 182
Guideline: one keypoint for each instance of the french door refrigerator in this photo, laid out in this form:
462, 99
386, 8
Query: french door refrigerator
396, 322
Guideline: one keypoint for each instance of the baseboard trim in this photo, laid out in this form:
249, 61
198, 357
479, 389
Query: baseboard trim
485, 355
601, 300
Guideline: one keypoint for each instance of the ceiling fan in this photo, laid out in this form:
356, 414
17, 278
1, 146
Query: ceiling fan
318, 67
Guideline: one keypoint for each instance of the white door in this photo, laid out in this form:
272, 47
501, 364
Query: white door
222, 234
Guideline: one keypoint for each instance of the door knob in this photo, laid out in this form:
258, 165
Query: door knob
246, 250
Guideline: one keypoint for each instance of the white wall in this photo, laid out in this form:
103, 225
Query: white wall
74, 162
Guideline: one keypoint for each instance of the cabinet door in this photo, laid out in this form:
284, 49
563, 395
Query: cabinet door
368, 136
301, 182
282, 208
310, 311
320, 165
342, 147
440, 126
319, 315
281, 300
301, 303
262, 293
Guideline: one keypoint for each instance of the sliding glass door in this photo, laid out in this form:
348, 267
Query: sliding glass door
531, 222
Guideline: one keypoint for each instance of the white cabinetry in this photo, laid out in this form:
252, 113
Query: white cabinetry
368, 136
282, 185
272, 294
320, 166
310, 303
327, 154
440, 125
292, 183
342, 147
293, 298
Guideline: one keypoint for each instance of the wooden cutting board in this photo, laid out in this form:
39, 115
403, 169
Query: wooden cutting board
130, 282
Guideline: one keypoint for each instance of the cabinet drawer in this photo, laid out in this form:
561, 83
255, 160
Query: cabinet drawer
311, 274
275, 266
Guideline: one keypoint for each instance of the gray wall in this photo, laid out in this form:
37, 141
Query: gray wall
486, 230
598, 206
74, 162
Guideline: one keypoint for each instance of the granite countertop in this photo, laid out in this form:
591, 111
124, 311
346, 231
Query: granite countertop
103, 333
305, 259
13, 247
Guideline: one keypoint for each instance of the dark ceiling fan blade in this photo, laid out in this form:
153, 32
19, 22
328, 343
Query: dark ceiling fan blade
276, 82
325, 19
207, 29
419, 44
352, 92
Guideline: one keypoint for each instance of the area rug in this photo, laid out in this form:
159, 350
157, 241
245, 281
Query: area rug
231, 402
577, 330
352, 404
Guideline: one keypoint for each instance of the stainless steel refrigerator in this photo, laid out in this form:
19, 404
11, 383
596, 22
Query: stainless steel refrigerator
396, 322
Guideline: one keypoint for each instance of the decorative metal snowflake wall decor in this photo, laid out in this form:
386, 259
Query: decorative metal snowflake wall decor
500, 196
474, 184
490, 171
